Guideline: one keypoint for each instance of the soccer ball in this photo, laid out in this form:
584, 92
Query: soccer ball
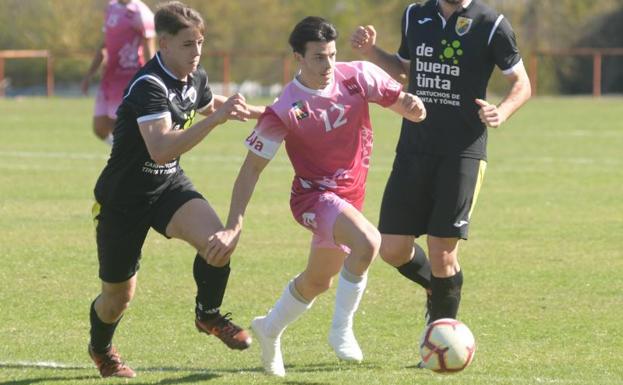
447, 346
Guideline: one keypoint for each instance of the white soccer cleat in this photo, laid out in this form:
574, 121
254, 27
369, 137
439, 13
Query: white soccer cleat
271, 349
345, 345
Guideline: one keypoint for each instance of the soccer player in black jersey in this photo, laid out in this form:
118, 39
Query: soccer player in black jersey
143, 185
448, 51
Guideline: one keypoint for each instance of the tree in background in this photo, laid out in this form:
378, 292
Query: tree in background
70, 27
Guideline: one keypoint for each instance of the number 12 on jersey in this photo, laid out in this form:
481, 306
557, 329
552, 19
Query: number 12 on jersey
339, 121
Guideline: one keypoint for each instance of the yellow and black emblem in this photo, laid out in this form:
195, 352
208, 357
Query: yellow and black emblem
463, 24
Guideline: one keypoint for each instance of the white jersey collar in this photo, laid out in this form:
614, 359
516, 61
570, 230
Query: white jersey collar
323, 92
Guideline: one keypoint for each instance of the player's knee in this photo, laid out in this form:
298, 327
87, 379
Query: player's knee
121, 301
443, 252
115, 304
395, 254
316, 286
443, 261
368, 245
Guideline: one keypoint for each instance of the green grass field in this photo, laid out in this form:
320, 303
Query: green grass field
543, 291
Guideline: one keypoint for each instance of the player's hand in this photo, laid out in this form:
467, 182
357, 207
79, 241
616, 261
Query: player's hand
489, 114
220, 246
414, 107
234, 108
363, 39
84, 86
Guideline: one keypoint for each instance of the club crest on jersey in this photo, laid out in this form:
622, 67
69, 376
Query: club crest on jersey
463, 25
300, 111
352, 86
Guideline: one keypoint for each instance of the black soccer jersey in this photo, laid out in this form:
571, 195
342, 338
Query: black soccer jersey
450, 66
131, 176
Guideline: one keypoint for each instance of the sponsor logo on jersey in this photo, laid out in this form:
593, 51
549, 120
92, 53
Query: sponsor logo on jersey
300, 111
451, 51
352, 86
189, 119
463, 24
429, 71
424, 20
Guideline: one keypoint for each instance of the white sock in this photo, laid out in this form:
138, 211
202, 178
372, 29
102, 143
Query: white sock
287, 309
109, 139
347, 299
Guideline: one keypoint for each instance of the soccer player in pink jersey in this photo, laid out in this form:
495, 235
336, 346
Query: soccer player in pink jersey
323, 118
129, 41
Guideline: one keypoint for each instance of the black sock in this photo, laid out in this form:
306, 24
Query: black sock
446, 296
418, 268
211, 283
101, 332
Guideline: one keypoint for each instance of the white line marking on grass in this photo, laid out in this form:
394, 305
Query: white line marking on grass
60, 365
44, 364
59, 155
85, 156
231, 161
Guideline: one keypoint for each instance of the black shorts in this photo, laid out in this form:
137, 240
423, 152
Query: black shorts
431, 194
121, 230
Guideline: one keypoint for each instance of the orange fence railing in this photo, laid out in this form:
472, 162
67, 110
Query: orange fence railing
28, 54
596, 53
285, 61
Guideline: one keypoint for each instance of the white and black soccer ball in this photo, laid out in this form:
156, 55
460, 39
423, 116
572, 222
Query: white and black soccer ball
447, 346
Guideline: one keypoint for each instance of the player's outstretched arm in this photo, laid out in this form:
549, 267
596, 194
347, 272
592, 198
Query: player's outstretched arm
410, 107
165, 144
254, 111
363, 41
222, 244
520, 92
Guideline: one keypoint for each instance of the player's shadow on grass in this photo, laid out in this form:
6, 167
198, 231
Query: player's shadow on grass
29, 381
191, 378
199, 375
331, 366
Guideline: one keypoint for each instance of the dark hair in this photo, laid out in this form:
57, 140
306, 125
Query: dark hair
311, 28
174, 16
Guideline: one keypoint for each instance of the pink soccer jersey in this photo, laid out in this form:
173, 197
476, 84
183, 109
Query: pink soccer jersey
124, 30
327, 132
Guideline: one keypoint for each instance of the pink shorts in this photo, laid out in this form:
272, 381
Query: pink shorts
317, 212
106, 103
